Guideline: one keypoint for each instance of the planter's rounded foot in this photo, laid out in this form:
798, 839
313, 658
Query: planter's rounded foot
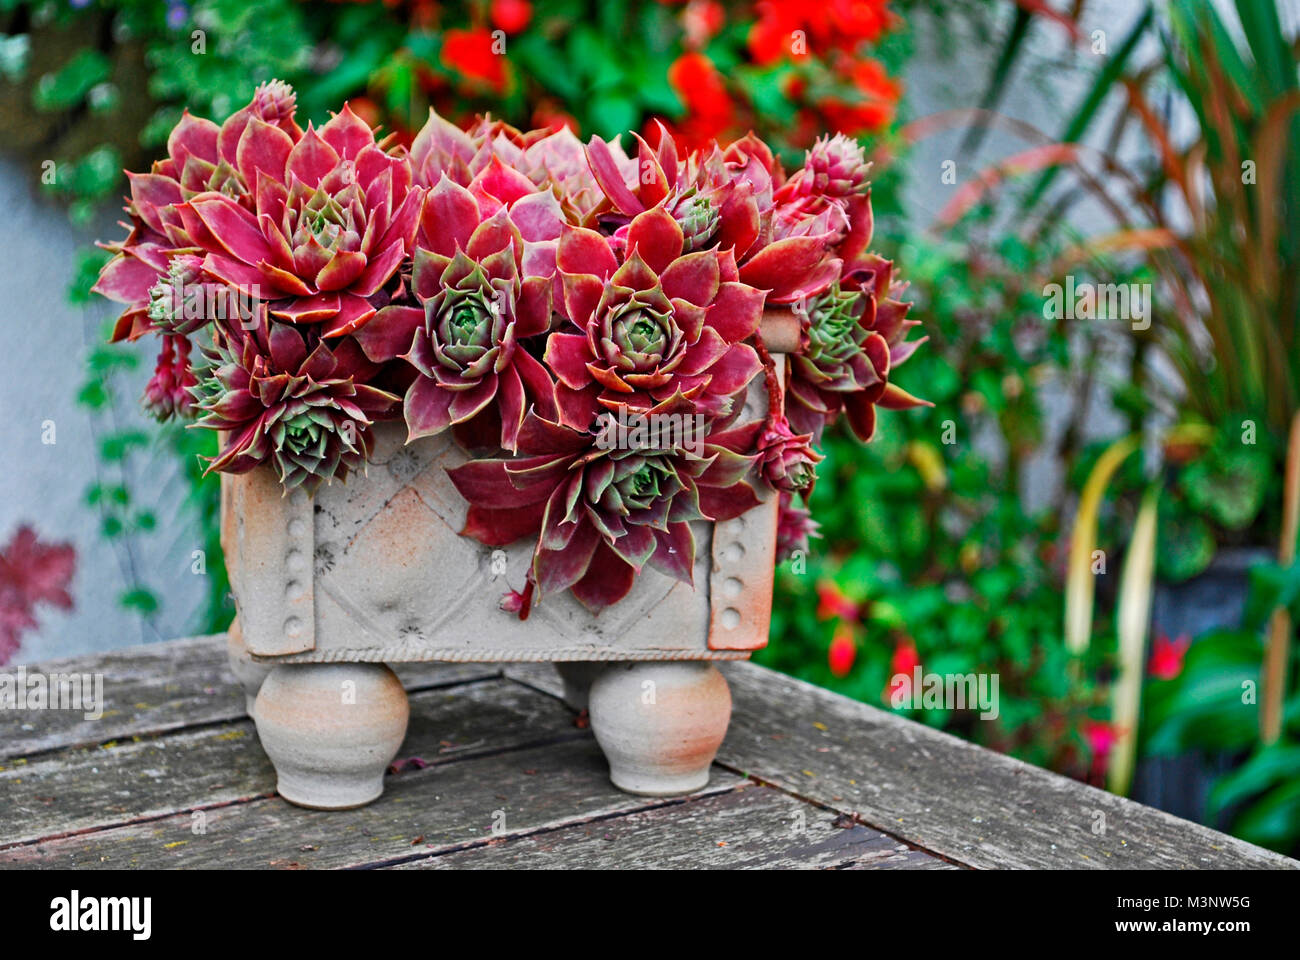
331, 729
249, 673
660, 723
577, 676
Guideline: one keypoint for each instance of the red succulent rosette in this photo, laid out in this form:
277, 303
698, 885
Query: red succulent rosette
539, 160
850, 341
167, 394
479, 302
518, 288
202, 157
285, 396
660, 324
785, 460
600, 514
333, 217
785, 246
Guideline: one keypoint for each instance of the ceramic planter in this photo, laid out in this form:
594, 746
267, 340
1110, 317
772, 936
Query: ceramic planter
331, 587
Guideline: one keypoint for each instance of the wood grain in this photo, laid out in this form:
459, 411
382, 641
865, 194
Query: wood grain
749, 828
96, 787
965, 803
173, 776
160, 687
451, 806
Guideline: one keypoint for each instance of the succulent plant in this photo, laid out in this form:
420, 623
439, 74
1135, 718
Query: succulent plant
786, 461
442, 149
794, 527
836, 167
518, 287
553, 162
661, 323
333, 217
714, 197
477, 307
185, 299
783, 240
202, 157
850, 341
601, 514
167, 394
284, 397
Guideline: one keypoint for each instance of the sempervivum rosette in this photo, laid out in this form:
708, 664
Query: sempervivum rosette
600, 514
717, 198
850, 341
285, 397
835, 168
782, 241
785, 460
554, 161
167, 394
659, 324
853, 332
478, 307
333, 217
201, 157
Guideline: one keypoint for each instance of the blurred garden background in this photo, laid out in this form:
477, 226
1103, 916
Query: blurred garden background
1100, 507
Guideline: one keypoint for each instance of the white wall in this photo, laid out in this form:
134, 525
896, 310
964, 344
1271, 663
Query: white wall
43, 345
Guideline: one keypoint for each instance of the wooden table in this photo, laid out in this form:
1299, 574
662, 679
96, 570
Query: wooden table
497, 772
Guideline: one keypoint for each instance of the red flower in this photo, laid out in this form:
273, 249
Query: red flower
773, 36
879, 97
473, 54
843, 651
905, 658
709, 107
857, 21
1167, 656
702, 19
831, 602
1101, 737
902, 664
794, 28
511, 15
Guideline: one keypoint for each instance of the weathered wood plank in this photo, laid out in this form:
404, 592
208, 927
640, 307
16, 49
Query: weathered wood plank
437, 809
165, 686
948, 796
517, 751
542, 677
90, 788
751, 827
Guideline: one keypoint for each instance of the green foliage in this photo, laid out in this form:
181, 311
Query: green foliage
1227, 485
1204, 706
73, 82
1212, 706
1228, 493
924, 527
123, 519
